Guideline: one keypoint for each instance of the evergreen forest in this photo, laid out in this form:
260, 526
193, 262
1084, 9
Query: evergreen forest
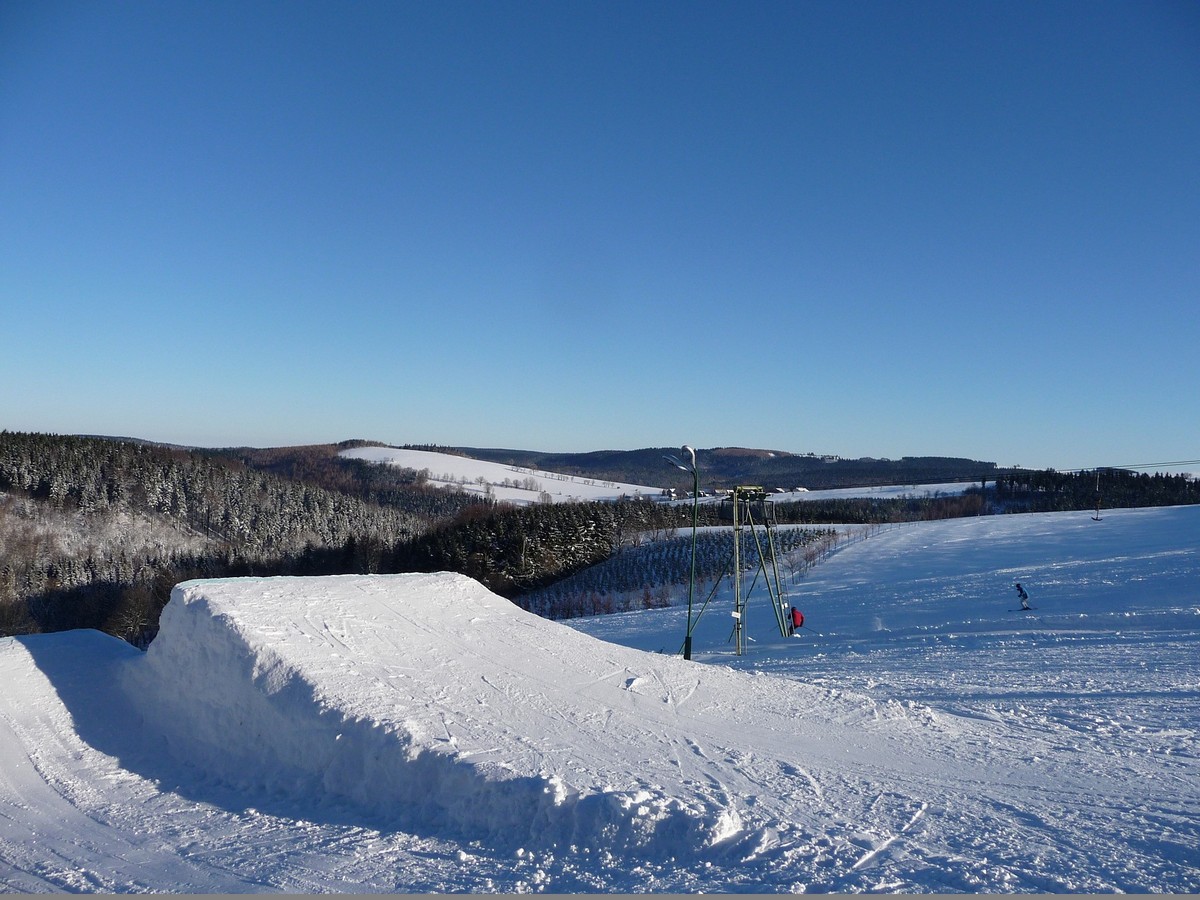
95, 532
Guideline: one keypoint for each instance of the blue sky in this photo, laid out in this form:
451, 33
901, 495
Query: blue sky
871, 229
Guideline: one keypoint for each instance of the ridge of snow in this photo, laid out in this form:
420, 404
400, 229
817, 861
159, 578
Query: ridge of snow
374, 690
429, 703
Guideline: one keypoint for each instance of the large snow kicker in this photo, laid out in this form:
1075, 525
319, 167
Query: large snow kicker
429, 703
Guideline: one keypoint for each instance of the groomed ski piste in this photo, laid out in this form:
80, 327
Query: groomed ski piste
522, 486
518, 485
416, 733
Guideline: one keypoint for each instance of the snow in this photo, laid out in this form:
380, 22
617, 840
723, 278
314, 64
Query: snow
416, 733
520, 485
513, 484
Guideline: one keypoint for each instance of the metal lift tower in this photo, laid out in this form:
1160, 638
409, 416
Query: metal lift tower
746, 500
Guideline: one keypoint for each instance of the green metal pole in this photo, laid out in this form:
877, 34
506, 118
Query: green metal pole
687, 641
677, 463
737, 571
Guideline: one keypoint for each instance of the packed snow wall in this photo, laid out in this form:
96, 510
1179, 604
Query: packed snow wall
423, 702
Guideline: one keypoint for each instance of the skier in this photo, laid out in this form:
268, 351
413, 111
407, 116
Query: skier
1024, 597
797, 621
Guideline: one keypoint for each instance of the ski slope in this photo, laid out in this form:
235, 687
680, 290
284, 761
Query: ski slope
521, 485
512, 484
416, 733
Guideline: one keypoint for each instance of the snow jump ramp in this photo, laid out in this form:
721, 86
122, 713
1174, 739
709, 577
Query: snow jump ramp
433, 705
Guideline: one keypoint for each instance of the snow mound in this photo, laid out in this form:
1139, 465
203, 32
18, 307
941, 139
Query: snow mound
430, 703
418, 734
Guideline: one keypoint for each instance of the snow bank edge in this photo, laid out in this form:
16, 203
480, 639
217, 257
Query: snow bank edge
241, 713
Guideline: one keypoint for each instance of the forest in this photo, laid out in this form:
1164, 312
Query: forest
725, 467
654, 573
95, 532
1051, 491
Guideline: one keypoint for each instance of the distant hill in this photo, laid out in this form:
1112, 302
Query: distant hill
723, 467
720, 467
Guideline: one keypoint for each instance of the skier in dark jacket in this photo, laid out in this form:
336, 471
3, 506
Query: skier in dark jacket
797, 620
1024, 596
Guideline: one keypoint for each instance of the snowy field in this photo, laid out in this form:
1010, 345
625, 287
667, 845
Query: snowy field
520, 485
512, 484
416, 733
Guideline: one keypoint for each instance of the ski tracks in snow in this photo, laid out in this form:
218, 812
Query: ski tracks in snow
881, 847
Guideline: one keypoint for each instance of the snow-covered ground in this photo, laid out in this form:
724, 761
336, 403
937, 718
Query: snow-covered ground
513, 484
520, 485
416, 733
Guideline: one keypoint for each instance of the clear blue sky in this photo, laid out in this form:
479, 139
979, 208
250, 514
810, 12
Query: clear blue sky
871, 229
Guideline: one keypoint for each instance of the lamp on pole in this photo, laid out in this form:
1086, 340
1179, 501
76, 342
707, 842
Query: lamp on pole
690, 467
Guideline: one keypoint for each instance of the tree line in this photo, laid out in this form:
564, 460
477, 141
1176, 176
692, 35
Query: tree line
651, 574
95, 532
1051, 491
724, 467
